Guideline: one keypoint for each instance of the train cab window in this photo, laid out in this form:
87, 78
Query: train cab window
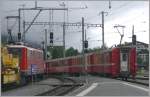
15, 51
124, 57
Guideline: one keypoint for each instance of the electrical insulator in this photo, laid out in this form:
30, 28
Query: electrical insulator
51, 41
134, 39
86, 44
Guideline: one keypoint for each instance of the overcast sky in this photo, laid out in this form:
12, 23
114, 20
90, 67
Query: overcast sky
125, 13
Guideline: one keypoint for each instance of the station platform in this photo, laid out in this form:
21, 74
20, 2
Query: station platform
110, 87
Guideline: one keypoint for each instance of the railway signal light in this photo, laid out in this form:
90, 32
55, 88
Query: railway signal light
51, 41
134, 39
86, 44
51, 35
51, 38
19, 36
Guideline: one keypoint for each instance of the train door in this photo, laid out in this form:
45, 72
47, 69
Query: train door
124, 62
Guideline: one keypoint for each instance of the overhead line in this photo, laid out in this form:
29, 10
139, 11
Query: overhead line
85, 0
66, 24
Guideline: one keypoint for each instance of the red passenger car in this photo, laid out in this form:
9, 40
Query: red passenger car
115, 62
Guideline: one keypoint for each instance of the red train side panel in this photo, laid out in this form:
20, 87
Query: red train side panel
115, 62
108, 62
133, 66
23, 62
35, 61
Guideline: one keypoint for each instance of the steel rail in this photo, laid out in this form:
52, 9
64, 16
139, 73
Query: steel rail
62, 89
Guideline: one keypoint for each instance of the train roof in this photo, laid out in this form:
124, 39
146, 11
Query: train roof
22, 46
102, 51
50, 60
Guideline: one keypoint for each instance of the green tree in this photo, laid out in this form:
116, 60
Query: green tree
96, 49
56, 51
71, 52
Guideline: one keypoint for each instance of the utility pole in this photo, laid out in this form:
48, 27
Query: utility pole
24, 31
103, 40
133, 37
45, 44
23, 36
64, 40
109, 4
43, 47
132, 30
103, 29
83, 39
85, 34
35, 3
19, 22
83, 53
64, 29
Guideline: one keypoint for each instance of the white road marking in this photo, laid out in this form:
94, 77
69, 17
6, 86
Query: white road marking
94, 85
136, 87
109, 82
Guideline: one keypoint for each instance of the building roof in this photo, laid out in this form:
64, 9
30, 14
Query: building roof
22, 46
138, 43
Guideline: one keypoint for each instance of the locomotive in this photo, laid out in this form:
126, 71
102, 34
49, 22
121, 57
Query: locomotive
9, 64
115, 62
28, 65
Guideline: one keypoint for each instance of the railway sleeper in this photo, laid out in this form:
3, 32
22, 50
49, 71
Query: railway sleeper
59, 90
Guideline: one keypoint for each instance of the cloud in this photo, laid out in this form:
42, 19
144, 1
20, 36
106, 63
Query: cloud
124, 12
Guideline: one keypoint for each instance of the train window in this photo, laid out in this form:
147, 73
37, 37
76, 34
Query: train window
14, 51
17, 52
30, 52
124, 57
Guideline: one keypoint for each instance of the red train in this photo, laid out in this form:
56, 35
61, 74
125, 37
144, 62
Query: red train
31, 62
116, 62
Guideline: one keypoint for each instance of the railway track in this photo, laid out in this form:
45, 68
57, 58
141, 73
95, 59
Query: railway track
60, 90
15, 85
59, 87
11, 87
